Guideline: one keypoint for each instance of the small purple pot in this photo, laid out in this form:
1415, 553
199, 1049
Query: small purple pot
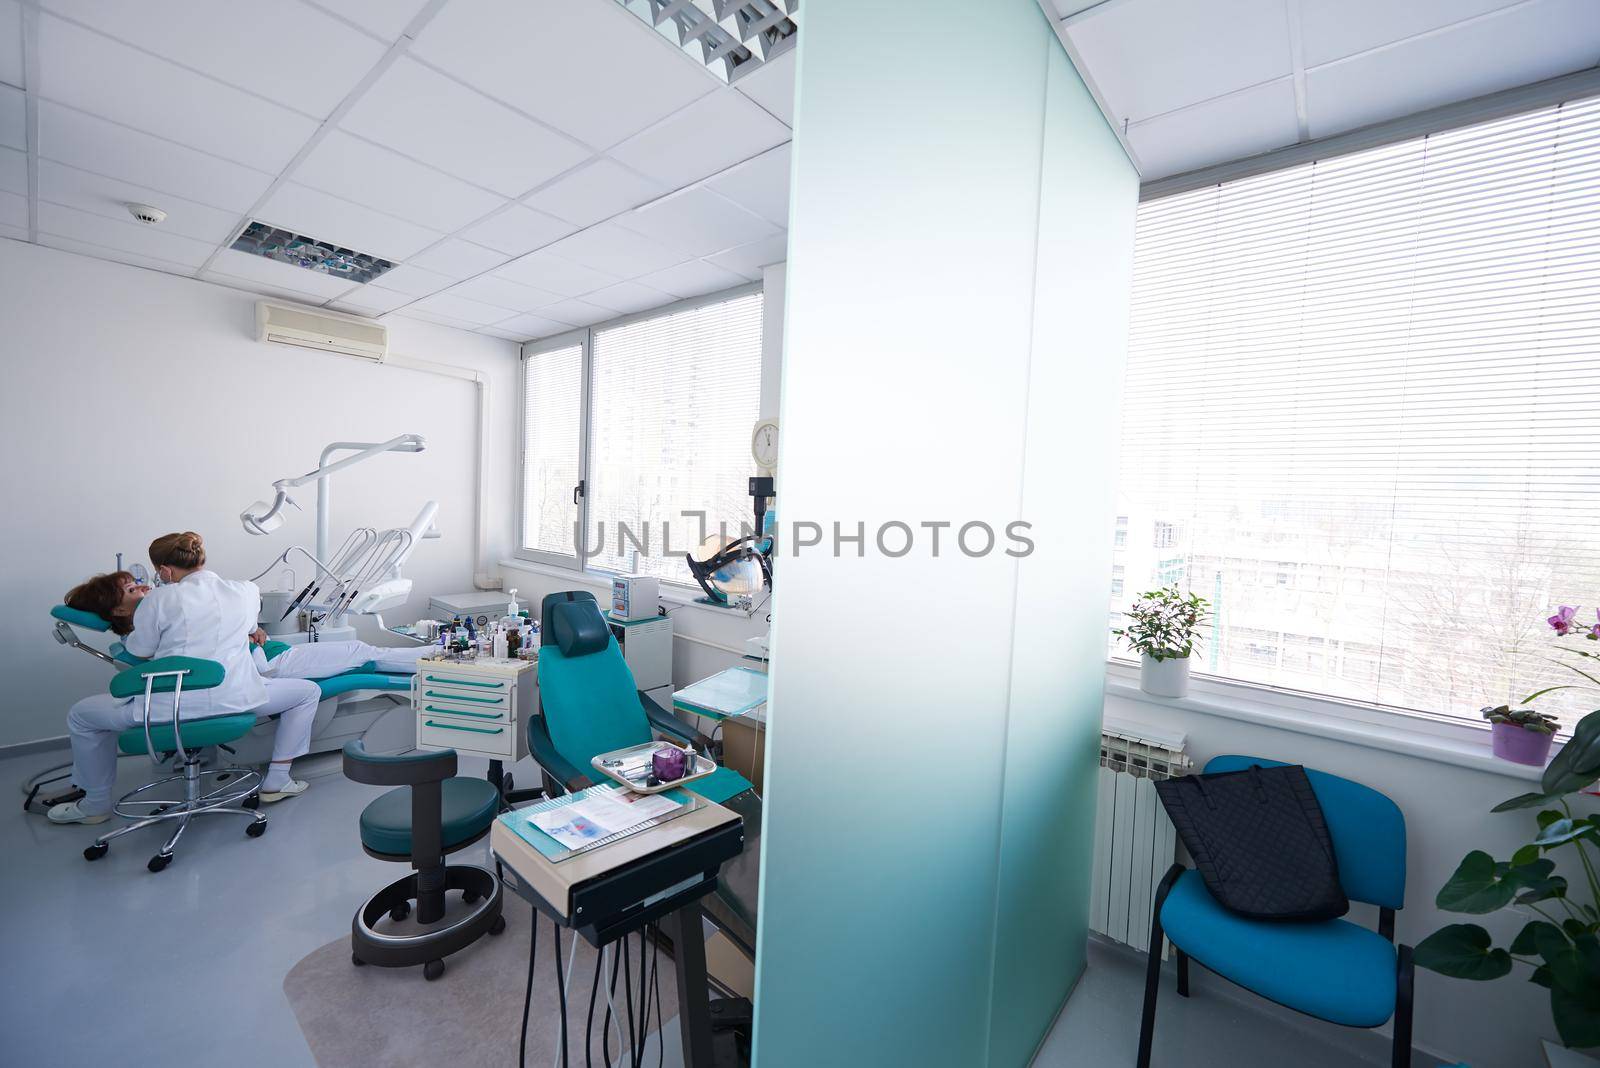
1521, 746
669, 764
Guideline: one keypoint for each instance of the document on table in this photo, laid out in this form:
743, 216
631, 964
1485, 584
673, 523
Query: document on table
599, 815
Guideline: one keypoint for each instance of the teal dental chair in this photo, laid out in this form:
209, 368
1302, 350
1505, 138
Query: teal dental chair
232, 791
1334, 970
588, 704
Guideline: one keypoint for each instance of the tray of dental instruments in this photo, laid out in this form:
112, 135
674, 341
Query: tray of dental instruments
634, 767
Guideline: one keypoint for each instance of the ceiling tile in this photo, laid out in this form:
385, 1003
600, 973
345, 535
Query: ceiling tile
545, 271
762, 185
358, 170
1333, 29
591, 70
260, 289
598, 191
532, 326
1228, 128
517, 230
748, 260
312, 213
1151, 58
692, 279
615, 250
278, 275
697, 221
372, 299
102, 147
109, 197
708, 136
115, 255
125, 236
431, 118
1528, 43
11, 42
624, 298
458, 259
14, 171
13, 118
577, 313
14, 210
414, 281
85, 70
772, 86
386, 18
492, 289
231, 41
503, 335
412, 312
467, 311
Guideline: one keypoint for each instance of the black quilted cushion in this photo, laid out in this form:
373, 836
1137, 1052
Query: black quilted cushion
579, 628
1260, 842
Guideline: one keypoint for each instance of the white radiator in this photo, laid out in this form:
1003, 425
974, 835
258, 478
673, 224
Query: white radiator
1134, 841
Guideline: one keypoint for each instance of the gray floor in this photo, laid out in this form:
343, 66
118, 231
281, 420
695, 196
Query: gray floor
107, 964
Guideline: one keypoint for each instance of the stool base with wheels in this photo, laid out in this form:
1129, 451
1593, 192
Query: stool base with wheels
233, 791
433, 812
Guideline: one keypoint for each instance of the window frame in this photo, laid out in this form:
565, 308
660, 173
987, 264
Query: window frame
585, 336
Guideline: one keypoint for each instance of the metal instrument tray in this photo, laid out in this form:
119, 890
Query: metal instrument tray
635, 759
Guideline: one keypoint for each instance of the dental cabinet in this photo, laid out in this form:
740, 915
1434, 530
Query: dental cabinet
478, 707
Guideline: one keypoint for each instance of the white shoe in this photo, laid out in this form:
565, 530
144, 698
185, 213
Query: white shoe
71, 813
293, 788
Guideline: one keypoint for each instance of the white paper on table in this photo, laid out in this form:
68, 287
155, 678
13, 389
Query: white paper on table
599, 815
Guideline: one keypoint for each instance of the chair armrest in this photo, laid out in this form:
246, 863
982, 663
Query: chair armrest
670, 723
543, 751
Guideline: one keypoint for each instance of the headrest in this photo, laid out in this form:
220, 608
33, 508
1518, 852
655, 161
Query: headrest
79, 618
547, 607
579, 628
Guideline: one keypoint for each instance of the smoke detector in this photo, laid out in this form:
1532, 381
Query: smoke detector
146, 214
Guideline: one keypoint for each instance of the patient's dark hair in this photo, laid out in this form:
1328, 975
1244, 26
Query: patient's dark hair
186, 551
101, 595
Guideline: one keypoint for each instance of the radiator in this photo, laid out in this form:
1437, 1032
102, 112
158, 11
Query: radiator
1134, 841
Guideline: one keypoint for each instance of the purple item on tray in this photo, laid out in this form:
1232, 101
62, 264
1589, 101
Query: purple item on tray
669, 763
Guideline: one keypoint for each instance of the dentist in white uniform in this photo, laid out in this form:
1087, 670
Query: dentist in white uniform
201, 615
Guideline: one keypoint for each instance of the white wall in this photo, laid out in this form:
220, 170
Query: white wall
1446, 807
138, 403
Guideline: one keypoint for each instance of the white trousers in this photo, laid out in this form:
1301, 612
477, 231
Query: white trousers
95, 722
319, 660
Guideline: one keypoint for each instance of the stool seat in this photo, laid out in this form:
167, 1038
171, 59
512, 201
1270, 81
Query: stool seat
469, 807
197, 733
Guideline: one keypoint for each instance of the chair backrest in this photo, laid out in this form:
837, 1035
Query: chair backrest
77, 617
406, 769
1368, 832
199, 675
586, 692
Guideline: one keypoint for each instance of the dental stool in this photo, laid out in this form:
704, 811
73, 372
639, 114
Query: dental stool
232, 791
433, 813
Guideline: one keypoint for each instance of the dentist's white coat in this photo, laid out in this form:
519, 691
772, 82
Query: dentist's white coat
209, 617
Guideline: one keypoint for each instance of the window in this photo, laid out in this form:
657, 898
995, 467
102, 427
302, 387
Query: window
1116, 580
1359, 406
634, 429
1122, 532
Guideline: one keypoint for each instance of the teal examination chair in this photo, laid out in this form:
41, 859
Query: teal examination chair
1334, 970
588, 704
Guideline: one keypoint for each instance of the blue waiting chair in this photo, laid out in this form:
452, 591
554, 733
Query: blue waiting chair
1333, 970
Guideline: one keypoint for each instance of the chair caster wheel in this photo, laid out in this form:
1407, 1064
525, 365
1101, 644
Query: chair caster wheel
256, 830
498, 926
159, 861
357, 961
96, 851
432, 970
469, 896
400, 911
253, 801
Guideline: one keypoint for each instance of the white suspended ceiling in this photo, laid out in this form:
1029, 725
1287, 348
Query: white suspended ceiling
532, 165
1192, 83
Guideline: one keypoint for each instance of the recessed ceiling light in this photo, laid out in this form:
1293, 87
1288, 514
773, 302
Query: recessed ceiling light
324, 257
733, 37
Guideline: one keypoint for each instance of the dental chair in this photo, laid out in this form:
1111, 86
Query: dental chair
588, 704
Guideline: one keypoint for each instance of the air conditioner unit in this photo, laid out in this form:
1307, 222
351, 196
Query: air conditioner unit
344, 334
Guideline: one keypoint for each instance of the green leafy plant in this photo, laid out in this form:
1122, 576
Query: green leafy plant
1561, 948
1526, 718
1164, 624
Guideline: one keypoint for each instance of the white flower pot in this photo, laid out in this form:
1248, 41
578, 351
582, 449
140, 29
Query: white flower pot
1164, 678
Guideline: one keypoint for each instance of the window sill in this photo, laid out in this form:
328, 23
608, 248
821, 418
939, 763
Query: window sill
1462, 745
673, 595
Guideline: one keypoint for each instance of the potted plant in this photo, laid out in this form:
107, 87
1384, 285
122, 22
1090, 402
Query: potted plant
1521, 735
1162, 628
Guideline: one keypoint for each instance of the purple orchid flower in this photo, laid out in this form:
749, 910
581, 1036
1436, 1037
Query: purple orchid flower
1561, 622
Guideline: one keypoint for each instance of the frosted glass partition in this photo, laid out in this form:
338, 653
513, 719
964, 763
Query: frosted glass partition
959, 256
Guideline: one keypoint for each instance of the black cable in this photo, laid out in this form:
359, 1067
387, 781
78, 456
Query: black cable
561, 990
627, 989
644, 1000
588, 1027
655, 983
527, 998
605, 1026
